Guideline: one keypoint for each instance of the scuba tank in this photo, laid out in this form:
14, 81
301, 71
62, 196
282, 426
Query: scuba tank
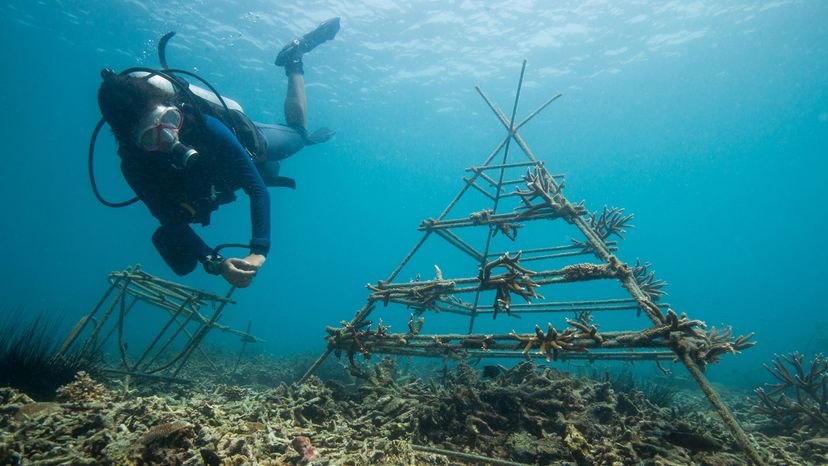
169, 88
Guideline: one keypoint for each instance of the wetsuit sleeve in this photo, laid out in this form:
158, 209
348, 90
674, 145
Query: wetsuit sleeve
242, 172
152, 182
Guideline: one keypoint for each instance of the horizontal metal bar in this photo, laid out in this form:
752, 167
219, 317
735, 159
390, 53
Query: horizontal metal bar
575, 303
469, 280
168, 285
462, 353
435, 308
505, 165
481, 310
565, 247
466, 456
513, 217
558, 255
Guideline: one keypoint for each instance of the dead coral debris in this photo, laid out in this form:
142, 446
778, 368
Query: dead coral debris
83, 389
525, 414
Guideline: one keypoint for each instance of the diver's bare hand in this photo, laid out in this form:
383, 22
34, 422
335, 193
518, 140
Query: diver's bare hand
238, 272
255, 260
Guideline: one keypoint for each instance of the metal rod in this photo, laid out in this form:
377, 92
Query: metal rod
463, 353
466, 456
172, 286
513, 311
315, 365
493, 219
202, 332
112, 330
539, 109
506, 124
565, 247
89, 317
468, 280
477, 187
558, 255
466, 186
408, 256
417, 305
121, 345
458, 242
158, 336
573, 303
498, 190
358, 318
241, 351
738, 434
626, 336
488, 179
505, 165
181, 327
104, 318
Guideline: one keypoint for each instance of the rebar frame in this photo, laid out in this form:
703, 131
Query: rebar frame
174, 343
670, 336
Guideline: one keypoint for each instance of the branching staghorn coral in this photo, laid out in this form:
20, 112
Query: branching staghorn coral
649, 284
516, 280
509, 230
552, 342
541, 185
703, 347
424, 296
611, 221
800, 398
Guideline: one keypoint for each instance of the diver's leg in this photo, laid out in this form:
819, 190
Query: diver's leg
296, 113
290, 57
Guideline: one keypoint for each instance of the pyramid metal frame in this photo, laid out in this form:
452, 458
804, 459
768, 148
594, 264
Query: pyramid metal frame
670, 337
175, 341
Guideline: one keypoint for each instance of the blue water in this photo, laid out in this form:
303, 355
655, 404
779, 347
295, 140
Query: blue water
707, 120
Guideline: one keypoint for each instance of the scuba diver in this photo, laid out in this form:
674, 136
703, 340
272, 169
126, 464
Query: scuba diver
185, 151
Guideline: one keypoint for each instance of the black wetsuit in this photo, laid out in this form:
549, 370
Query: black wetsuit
179, 197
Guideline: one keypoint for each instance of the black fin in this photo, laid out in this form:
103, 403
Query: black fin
293, 51
281, 182
162, 49
320, 135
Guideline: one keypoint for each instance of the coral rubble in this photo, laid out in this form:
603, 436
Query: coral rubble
521, 415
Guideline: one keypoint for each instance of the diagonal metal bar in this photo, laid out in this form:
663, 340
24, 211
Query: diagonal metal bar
532, 115
505, 121
479, 188
458, 242
498, 190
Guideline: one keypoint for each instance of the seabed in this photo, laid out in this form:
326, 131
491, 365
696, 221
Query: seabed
384, 413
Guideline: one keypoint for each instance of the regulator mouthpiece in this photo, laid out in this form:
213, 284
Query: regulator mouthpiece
183, 156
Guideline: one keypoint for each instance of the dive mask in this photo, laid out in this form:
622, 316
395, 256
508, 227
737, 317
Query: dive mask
158, 131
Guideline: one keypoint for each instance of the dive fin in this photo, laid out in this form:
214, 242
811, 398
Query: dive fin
281, 182
162, 49
320, 135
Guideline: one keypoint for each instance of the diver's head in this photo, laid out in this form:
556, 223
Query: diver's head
124, 101
158, 130
140, 115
